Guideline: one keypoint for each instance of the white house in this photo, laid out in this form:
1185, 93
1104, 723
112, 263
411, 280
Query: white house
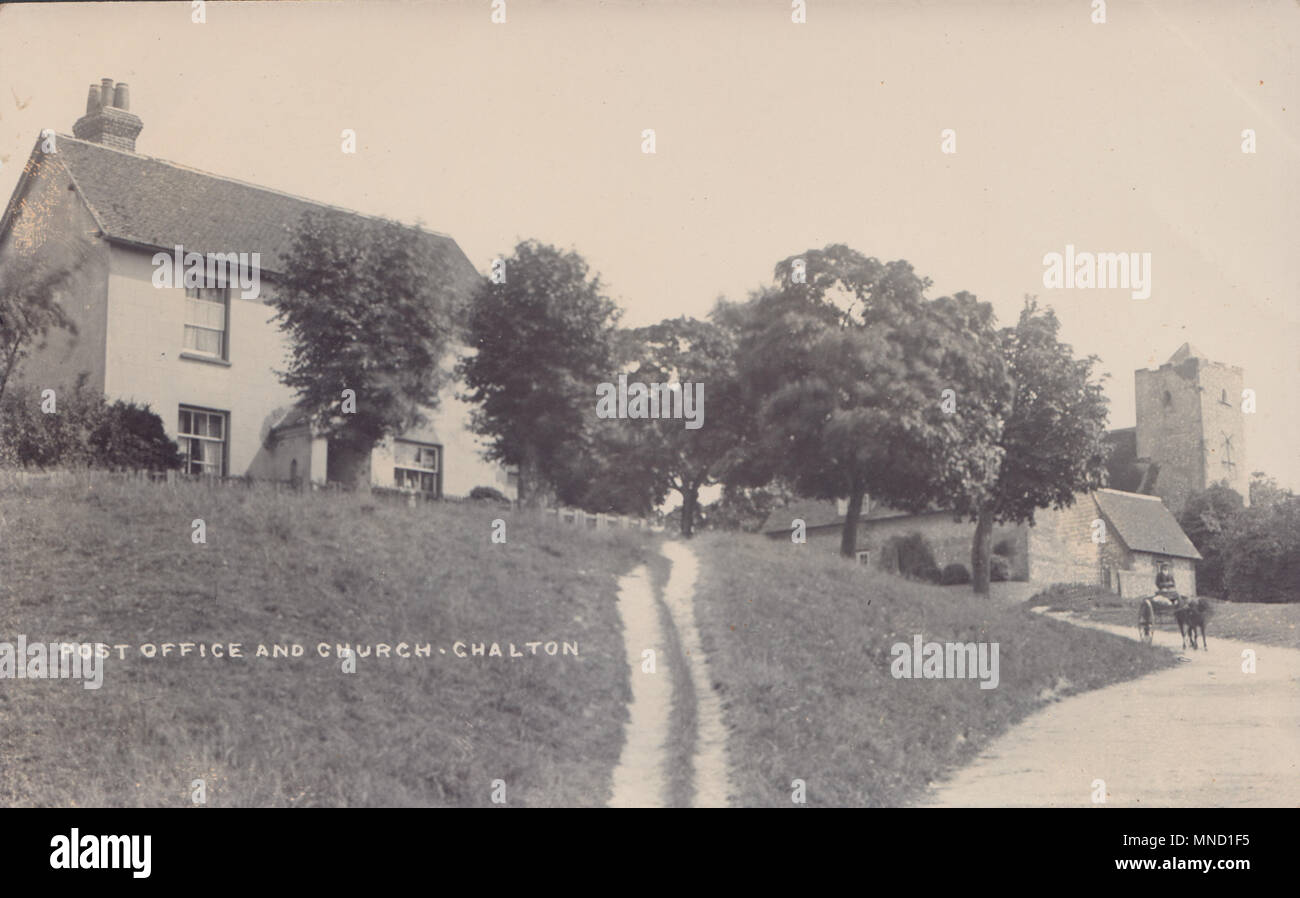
203, 359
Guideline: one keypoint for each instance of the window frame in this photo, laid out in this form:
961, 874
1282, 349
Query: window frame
224, 441
420, 473
224, 355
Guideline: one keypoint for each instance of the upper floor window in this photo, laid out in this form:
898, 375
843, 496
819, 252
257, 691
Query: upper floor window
202, 437
206, 316
415, 466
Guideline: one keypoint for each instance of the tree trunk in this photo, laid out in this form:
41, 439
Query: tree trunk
981, 552
849, 535
530, 479
690, 502
9, 367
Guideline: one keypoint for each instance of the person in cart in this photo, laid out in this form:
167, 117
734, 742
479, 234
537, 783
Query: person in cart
1166, 588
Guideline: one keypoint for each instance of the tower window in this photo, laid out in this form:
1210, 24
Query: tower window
1168, 399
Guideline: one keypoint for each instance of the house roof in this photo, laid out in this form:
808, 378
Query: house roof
1185, 352
1144, 524
297, 416
158, 204
825, 513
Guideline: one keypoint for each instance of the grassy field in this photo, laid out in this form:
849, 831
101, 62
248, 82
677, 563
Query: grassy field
115, 563
800, 645
1269, 623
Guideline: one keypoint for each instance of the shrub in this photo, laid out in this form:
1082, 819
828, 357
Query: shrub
954, 574
31, 436
1262, 554
911, 556
131, 437
488, 492
82, 431
999, 568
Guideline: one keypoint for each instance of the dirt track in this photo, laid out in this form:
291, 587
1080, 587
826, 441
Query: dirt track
1203, 734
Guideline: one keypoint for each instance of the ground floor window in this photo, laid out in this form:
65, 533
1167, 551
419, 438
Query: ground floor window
864, 558
202, 434
415, 466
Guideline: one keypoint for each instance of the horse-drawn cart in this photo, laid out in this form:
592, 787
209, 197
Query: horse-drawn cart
1191, 615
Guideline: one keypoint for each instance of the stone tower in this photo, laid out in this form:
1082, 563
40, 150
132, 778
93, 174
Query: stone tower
1190, 426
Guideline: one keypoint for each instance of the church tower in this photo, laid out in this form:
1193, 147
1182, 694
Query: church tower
1190, 426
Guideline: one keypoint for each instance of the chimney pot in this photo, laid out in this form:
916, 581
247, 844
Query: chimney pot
108, 120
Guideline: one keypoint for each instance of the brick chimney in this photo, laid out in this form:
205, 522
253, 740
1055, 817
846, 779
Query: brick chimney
107, 119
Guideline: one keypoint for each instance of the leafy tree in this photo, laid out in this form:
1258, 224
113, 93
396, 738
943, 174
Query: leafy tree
745, 508
1052, 445
700, 356
1261, 553
541, 340
849, 363
365, 304
1207, 519
1265, 490
30, 284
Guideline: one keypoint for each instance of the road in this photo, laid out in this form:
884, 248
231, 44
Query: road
1202, 734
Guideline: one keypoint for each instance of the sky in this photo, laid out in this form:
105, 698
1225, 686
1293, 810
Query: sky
771, 138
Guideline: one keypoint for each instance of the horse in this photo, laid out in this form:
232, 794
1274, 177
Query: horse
1191, 616
1146, 619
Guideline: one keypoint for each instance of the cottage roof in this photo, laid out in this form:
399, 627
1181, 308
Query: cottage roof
826, 513
156, 204
1144, 524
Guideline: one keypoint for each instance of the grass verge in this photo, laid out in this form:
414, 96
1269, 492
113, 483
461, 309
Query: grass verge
800, 643
114, 563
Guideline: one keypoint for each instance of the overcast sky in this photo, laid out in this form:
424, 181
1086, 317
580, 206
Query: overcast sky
771, 138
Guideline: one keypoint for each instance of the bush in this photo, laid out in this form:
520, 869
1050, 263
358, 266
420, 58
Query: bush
31, 436
488, 492
130, 437
954, 574
1262, 554
82, 431
912, 557
999, 568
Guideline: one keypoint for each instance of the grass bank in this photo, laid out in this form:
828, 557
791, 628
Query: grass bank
800, 644
115, 563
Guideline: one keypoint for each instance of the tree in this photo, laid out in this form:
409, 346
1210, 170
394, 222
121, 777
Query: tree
700, 357
365, 304
745, 508
1261, 552
541, 341
1207, 518
30, 284
1265, 490
850, 364
1053, 442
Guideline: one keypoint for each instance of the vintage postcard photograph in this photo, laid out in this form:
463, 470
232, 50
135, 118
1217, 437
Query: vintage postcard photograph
553, 403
